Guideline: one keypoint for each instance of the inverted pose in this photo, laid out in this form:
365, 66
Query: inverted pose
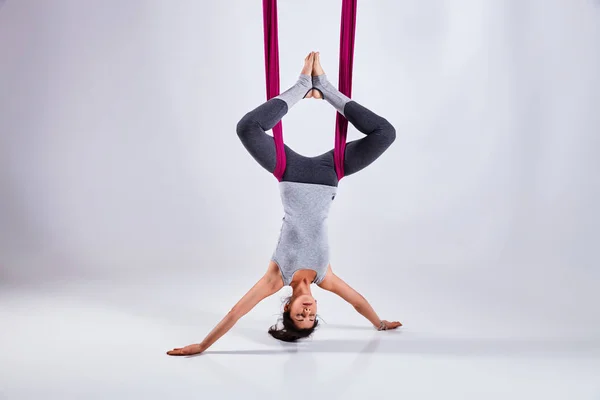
307, 189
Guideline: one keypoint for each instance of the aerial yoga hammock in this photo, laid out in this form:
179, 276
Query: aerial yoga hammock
347, 34
307, 186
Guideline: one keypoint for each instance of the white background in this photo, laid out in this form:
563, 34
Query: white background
132, 218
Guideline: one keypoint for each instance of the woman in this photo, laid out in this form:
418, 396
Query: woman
307, 189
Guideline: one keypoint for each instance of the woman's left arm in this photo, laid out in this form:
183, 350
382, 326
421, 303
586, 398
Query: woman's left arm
335, 284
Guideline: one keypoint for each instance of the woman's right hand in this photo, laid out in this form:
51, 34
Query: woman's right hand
269, 284
187, 350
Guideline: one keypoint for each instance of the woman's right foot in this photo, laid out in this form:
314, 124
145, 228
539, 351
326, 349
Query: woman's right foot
307, 70
308, 64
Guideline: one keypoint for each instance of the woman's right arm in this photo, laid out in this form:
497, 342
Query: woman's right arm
266, 286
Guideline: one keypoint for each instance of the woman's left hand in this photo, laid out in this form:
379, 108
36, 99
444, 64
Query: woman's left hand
187, 350
391, 325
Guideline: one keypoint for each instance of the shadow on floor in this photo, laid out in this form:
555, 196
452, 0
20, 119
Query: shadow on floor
389, 342
395, 343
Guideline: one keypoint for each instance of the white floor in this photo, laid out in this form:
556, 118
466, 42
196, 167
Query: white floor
107, 340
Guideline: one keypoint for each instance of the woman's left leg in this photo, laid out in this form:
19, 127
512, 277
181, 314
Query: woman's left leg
380, 134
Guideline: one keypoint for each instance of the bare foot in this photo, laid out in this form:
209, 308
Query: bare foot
307, 70
316, 71
308, 63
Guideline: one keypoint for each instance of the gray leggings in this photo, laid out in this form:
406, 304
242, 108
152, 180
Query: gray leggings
251, 129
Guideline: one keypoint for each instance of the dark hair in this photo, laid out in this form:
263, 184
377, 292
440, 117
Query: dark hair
290, 332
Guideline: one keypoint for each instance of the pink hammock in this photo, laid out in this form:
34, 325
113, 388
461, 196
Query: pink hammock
347, 33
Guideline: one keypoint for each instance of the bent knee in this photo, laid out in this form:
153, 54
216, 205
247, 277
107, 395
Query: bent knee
246, 125
388, 131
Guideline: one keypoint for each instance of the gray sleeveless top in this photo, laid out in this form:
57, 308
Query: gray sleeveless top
303, 241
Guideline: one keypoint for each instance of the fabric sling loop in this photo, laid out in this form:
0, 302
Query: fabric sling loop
272, 76
347, 34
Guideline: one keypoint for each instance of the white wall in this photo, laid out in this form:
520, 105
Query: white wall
118, 151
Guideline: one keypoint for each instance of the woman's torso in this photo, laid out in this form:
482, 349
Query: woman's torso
308, 188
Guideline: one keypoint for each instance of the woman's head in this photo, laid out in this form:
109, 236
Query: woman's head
299, 319
302, 310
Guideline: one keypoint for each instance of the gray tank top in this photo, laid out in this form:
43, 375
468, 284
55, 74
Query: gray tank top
303, 241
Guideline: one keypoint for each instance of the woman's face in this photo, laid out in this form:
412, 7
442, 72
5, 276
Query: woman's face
303, 311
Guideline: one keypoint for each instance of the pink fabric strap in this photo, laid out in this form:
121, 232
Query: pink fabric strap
272, 76
347, 34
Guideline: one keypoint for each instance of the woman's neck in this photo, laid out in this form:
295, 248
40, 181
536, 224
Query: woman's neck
301, 285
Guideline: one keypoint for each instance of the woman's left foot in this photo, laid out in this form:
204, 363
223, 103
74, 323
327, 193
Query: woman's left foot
316, 71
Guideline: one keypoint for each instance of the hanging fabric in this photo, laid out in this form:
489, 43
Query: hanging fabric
272, 76
347, 34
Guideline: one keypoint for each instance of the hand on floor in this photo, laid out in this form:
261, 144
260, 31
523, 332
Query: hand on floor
187, 350
391, 325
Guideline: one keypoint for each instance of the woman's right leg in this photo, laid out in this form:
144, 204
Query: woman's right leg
251, 129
